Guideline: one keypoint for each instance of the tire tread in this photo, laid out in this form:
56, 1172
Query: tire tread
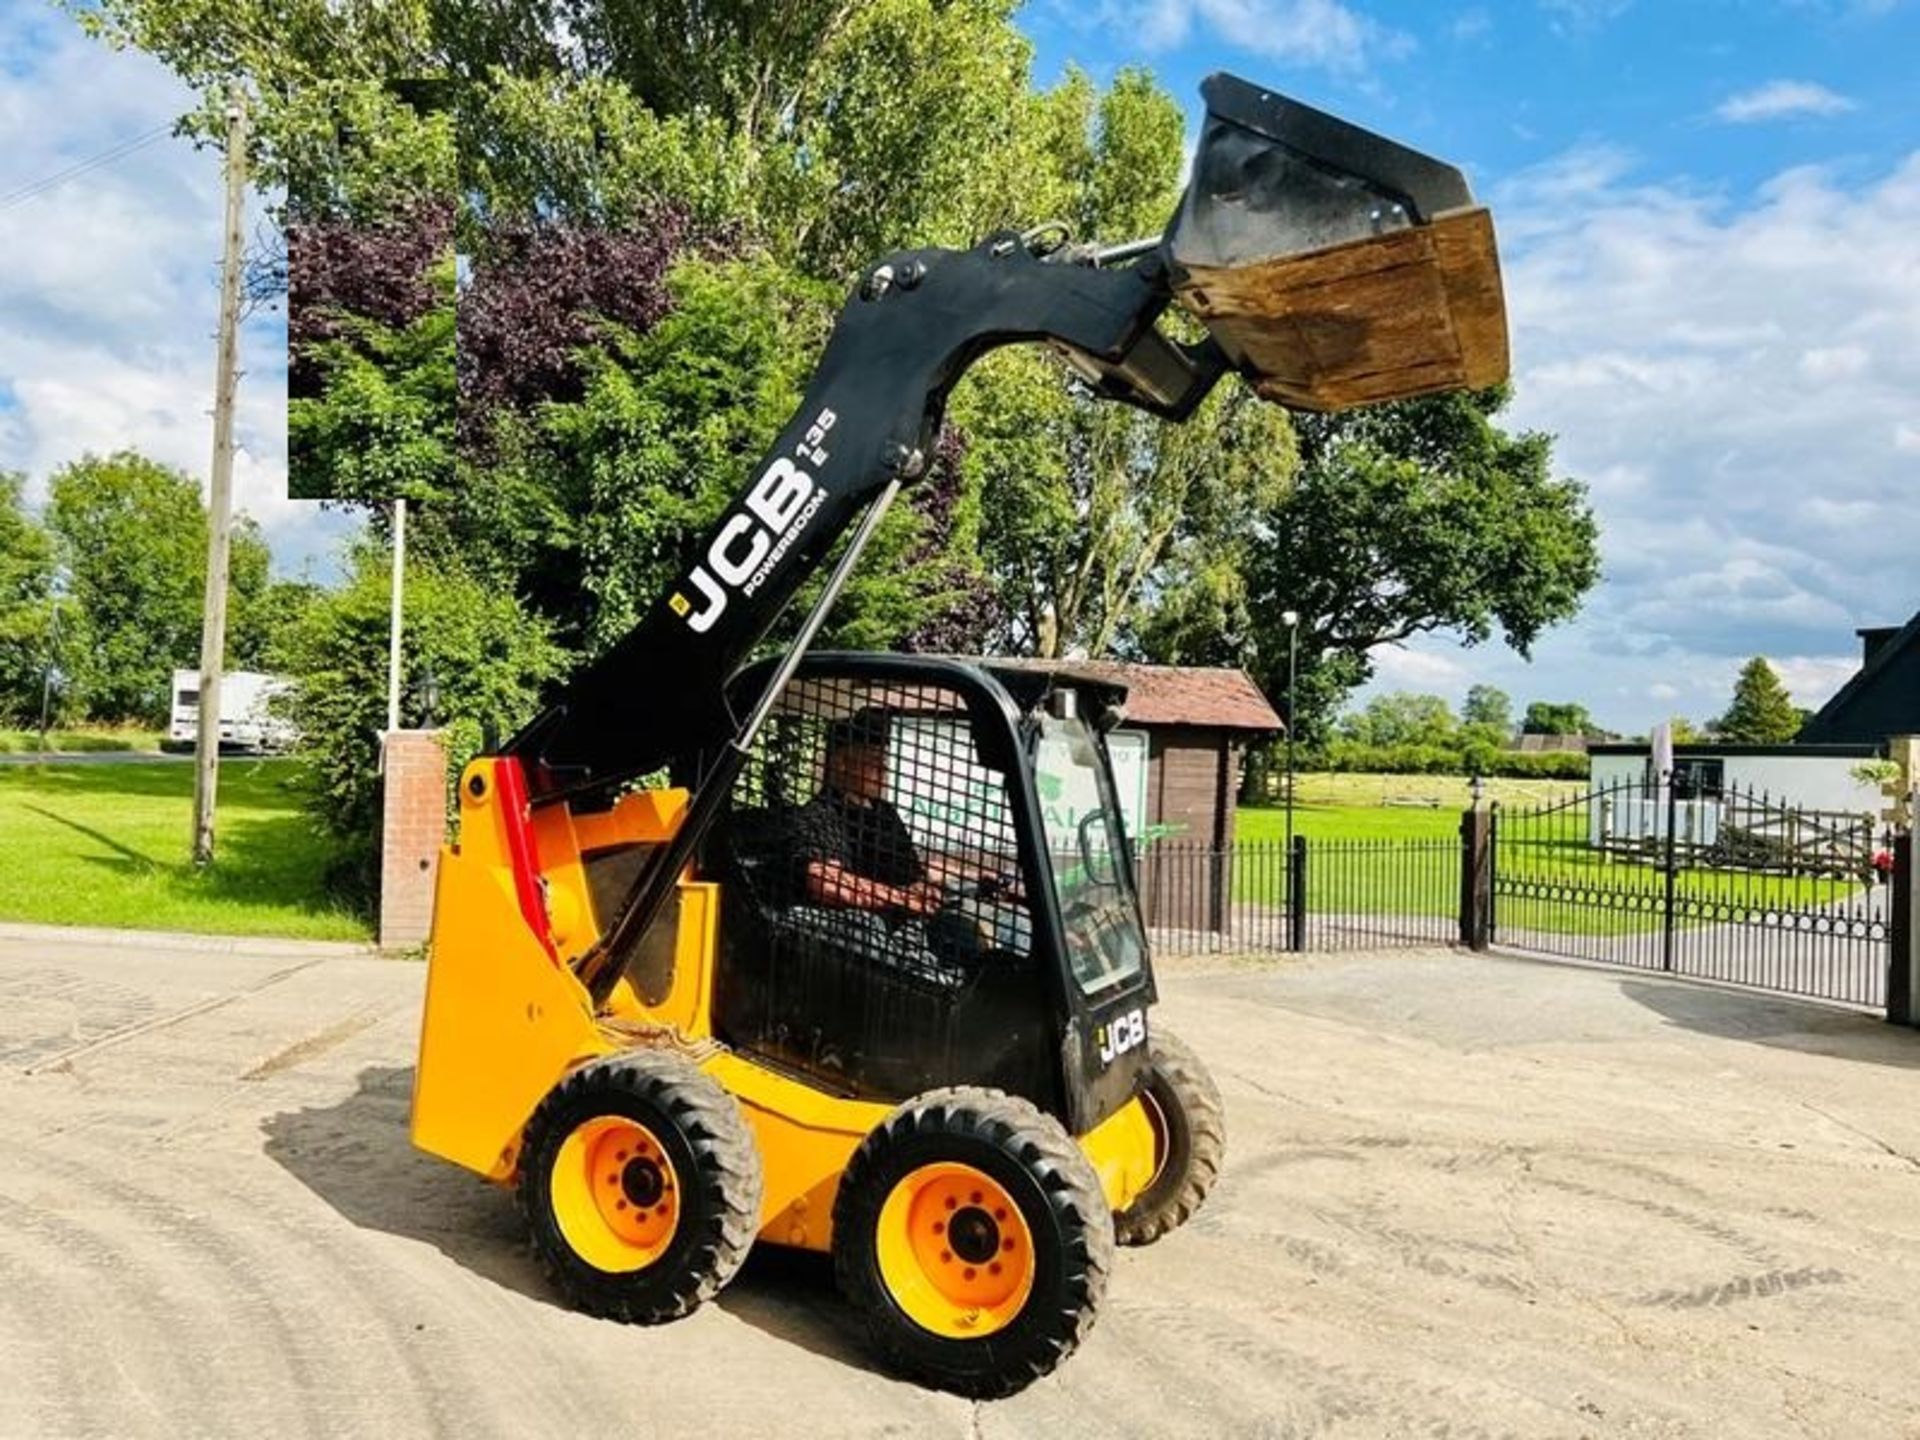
1041, 1146
1153, 1215
729, 1169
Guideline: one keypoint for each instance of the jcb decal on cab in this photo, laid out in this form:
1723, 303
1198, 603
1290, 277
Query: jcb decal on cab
1120, 1035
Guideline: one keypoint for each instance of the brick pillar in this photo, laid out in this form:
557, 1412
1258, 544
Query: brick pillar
413, 825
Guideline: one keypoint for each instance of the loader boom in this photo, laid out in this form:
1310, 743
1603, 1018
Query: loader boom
1329, 266
910, 330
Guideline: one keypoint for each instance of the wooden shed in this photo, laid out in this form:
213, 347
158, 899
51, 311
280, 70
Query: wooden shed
1192, 725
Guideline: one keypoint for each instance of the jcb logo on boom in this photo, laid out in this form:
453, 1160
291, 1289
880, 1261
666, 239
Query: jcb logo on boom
749, 544
1120, 1035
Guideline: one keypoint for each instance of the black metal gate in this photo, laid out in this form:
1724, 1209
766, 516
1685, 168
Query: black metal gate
1713, 884
1265, 895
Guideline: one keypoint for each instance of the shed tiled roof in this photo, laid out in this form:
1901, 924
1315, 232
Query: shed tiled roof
1221, 698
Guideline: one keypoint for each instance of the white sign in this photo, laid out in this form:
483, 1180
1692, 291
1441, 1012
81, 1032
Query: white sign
950, 802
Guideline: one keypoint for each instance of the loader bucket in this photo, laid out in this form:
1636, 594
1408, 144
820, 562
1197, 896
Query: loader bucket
1333, 266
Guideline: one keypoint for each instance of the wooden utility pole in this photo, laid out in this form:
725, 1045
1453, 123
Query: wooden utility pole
213, 617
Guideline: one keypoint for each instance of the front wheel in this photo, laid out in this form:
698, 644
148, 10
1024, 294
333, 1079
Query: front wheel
1189, 1141
971, 1232
641, 1187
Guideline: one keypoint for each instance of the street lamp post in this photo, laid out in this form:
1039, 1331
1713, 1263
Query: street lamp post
1291, 619
46, 679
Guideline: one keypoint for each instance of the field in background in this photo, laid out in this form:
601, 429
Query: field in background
1445, 792
108, 845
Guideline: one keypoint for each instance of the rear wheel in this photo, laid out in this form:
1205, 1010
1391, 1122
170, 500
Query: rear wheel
641, 1187
1189, 1141
971, 1232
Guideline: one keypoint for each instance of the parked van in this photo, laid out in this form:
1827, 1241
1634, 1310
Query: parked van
247, 713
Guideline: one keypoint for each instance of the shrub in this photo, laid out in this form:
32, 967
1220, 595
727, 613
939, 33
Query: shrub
1542, 765
487, 657
1353, 757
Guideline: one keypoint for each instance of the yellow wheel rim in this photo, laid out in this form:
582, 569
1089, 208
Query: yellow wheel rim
955, 1252
616, 1196
1162, 1138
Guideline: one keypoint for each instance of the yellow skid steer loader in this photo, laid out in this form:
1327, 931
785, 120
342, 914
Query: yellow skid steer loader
871, 977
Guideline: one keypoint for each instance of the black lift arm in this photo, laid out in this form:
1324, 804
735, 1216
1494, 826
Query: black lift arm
1329, 266
911, 329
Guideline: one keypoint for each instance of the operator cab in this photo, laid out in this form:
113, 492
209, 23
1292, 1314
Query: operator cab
926, 881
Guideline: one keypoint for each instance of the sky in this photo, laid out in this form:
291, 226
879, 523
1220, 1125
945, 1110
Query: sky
109, 299
1709, 220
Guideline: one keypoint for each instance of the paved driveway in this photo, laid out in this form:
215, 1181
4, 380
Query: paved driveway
1465, 1196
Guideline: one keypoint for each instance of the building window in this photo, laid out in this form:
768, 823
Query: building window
1694, 777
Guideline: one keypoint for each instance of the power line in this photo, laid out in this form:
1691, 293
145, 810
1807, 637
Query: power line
93, 162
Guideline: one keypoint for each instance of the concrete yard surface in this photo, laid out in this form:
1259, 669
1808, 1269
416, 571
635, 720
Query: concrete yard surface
1464, 1196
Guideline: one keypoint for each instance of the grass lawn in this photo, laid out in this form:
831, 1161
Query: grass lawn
108, 845
27, 742
1375, 859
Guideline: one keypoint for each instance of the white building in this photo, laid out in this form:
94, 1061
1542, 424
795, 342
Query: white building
1804, 797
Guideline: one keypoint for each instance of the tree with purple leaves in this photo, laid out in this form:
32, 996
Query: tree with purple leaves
341, 268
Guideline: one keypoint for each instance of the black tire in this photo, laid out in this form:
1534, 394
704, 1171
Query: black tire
711, 1154
1030, 1156
1190, 1135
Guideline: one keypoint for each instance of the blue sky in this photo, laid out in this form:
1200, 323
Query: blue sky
1500, 87
108, 300
1710, 227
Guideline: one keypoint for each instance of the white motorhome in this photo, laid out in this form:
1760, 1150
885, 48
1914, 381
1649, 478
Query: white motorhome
248, 718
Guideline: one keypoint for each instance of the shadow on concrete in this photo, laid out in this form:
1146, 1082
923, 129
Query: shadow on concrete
357, 1157
1783, 1023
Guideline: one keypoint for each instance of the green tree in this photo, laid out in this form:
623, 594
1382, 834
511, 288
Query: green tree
1490, 706
132, 538
487, 656
1545, 717
26, 590
261, 622
382, 425
1684, 731
1410, 518
1401, 718
327, 124
1762, 712
1093, 510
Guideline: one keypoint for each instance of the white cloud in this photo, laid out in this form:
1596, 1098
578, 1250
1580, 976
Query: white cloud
1742, 408
1327, 34
1584, 15
1825, 363
107, 295
1778, 99
1813, 679
1471, 24
1399, 667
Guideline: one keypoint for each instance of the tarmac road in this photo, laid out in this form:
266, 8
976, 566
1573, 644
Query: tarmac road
94, 757
1465, 1196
